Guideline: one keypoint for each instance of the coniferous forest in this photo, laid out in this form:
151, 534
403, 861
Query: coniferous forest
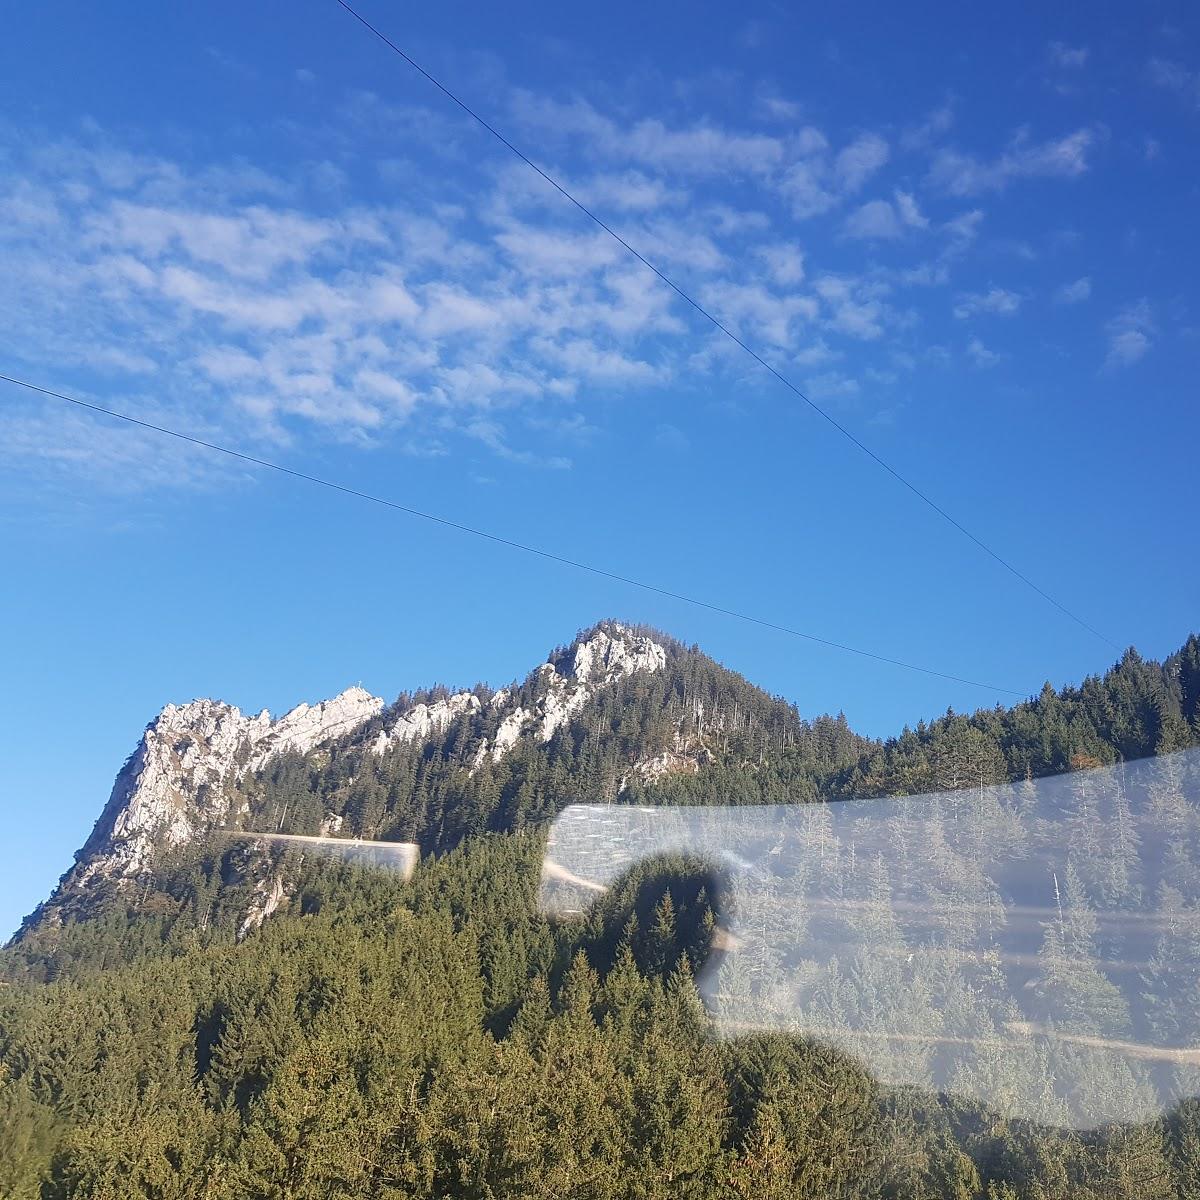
442, 1036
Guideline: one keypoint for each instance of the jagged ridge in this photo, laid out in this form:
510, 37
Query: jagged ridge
185, 778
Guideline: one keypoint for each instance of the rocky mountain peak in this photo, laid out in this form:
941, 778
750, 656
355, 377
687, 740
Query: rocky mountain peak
182, 780
609, 652
309, 726
423, 720
570, 678
178, 782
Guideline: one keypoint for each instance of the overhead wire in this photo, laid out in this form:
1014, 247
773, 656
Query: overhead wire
499, 539
847, 433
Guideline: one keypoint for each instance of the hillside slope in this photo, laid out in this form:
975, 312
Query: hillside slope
159, 1037
621, 714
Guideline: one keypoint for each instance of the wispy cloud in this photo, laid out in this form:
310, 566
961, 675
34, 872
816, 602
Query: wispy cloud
1130, 335
979, 355
965, 227
860, 160
1069, 58
1075, 292
885, 220
819, 180
784, 262
963, 174
629, 191
995, 301
910, 214
751, 308
831, 385
803, 166
927, 132
472, 302
492, 435
276, 319
59, 442
854, 307
775, 107
1175, 77
876, 220
699, 148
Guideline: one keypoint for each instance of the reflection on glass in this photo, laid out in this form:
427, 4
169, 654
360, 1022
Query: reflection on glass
400, 857
1033, 946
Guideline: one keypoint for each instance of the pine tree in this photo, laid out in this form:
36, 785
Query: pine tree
30, 1133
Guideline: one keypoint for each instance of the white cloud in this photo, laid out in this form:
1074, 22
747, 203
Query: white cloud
815, 183
876, 220
229, 364
558, 253
586, 361
480, 385
294, 310
853, 308
831, 385
670, 244
399, 394
920, 137
784, 261
814, 354
997, 301
1071, 58
881, 220
30, 206
980, 355
240, 307
629, 302
251, 244
1130, 335
725, 221
62, 443
450, 309
1175, 77
801, 166
492, 435
966, 174
280, 323
806, 185
775, 108
933, 273
754, 311
700, 148
629, 191
1126, 347
386, 299
808, 141
965, 227
860, 160
910, 214
1074, 293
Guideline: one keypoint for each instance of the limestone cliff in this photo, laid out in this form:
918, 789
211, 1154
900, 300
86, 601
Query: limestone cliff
196, 762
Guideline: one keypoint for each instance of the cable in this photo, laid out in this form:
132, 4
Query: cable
733, 337
501, 541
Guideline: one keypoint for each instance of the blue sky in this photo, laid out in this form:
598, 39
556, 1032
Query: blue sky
970, 236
